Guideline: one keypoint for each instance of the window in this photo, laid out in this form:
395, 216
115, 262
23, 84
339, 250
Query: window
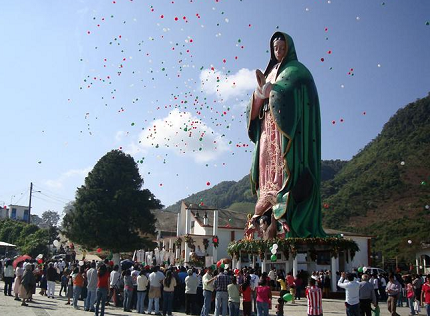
25, 217
13, 215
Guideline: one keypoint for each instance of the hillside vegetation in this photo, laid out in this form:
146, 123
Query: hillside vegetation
383, 190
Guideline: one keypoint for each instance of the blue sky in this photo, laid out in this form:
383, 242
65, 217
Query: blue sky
80, 78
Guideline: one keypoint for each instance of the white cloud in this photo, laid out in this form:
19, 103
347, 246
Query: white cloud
59, 182
186, 135
226, 86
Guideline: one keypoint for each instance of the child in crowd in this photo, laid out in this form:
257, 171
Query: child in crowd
64, 281
43, 284
280, 307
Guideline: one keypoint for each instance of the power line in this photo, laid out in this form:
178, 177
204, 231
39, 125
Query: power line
52, 193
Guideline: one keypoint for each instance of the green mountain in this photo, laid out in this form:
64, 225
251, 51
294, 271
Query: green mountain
237, 195
383, 191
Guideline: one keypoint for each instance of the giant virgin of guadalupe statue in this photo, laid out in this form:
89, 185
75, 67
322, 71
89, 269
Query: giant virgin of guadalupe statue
284, 123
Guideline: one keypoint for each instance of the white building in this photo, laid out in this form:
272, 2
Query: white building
3, 212
200, 223
422, 258
18, 212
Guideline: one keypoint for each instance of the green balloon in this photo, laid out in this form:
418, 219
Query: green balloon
273, 258
287, 297
222, 265
213, 267
360, 269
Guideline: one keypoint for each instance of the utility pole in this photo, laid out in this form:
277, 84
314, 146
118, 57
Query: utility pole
29, 202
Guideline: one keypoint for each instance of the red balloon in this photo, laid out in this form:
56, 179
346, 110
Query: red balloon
99, 250
39, 261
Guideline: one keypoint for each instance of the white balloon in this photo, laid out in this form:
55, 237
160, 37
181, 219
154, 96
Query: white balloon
275, 246
81, 263
274, 251
409, 241
364, 269
56, 243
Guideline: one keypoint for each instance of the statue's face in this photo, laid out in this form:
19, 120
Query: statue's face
280, 49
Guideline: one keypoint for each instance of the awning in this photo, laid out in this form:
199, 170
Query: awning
5, 244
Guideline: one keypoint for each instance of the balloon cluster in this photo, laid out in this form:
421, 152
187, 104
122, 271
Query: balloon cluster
274, 250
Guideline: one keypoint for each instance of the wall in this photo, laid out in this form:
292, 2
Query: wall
361, 258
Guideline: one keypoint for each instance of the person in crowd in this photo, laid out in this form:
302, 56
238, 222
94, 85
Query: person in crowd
28, 284
425, 294
246, 292
155, 279
314, 299
284, 290
191, 283
134, 274
43, 283
8, 275
51, 276
393, 289
273, 277
102, 290
410, 294
299, 285
352, 290
64, 280
221, 296
383, 284
254, 283
19, 271
128, 290
115, 280
92, 281
399, 279
199, 295
417, 283
69, 286
264, 295
180, 289
169, 284
142, 284
367, 296
233, 297
291, 286
208, 289
326, 284
280, 307
78, 284
374, 280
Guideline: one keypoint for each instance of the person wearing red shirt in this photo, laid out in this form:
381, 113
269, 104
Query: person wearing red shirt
425, 294
102, 289
314, 296
245, 289
264, 295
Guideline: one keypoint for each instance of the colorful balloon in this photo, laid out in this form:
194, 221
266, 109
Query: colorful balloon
273, 257
287, 297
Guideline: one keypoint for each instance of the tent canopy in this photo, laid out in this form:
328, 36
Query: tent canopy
5, 244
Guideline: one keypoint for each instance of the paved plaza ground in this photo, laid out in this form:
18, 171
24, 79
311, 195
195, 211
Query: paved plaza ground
43, 306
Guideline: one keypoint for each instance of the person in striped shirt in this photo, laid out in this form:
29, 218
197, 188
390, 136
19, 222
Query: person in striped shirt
314, 296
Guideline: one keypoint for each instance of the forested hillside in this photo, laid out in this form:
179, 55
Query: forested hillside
384, 190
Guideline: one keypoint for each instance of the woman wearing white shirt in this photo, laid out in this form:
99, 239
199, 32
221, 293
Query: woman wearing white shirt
142, 284
19, 271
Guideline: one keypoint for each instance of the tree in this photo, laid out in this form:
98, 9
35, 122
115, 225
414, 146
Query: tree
50, 218
111, 210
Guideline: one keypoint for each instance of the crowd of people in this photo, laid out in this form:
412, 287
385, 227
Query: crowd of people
162, 290
395, 289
